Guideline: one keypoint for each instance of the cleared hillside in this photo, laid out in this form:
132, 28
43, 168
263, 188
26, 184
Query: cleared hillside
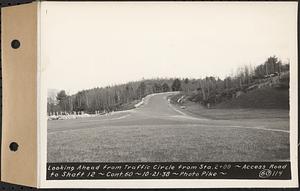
264, 98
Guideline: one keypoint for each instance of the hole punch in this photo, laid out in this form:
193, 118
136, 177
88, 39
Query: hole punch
13, 146
15, 44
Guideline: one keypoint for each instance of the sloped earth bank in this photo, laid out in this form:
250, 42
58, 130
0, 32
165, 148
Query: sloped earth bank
264, 98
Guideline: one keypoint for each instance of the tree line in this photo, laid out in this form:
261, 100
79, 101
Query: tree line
206, 90
107, 99
213, 90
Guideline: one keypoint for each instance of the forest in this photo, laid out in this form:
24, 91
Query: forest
210, 89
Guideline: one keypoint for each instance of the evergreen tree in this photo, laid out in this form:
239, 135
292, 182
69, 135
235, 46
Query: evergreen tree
176, 86
165, 87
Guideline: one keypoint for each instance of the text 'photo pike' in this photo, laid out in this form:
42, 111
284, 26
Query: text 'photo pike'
168, 90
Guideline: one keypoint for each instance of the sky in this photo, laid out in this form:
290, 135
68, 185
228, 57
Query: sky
94, 44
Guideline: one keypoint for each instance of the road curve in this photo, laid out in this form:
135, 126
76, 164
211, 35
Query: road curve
160, 131
155, 110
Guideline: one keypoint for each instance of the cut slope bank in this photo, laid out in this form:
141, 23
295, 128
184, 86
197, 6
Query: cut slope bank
265, 98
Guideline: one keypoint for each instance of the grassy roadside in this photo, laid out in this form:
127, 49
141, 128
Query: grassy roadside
174, 143
232, 114
267, 118
267, 103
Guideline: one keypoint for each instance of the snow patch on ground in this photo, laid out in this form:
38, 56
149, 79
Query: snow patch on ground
64, 117
85, 115
139, 104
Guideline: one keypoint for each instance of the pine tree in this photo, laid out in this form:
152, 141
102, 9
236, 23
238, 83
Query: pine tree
176, 86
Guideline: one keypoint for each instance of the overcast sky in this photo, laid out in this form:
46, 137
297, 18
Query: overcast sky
94, 44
